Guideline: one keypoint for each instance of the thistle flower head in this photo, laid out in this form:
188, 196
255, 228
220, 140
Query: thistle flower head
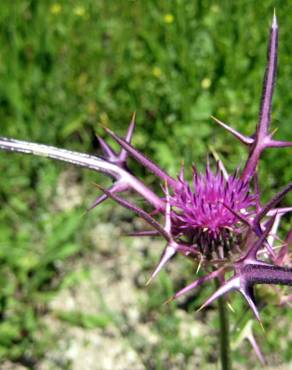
207, 211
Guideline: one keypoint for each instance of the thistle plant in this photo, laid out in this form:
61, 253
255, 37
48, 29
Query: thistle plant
217, 220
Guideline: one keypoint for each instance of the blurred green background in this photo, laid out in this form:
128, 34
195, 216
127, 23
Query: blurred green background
66, 67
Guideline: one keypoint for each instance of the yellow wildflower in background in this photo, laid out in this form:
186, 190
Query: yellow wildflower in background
156, 71
168, 18
206, 83
56, 8
79, 11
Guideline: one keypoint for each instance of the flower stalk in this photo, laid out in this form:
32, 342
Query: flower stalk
224, 335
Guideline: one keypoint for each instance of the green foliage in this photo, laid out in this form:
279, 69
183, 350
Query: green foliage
85, 320
30, 268
67, 66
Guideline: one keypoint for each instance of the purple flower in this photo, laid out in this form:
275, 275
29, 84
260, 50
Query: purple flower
208, 213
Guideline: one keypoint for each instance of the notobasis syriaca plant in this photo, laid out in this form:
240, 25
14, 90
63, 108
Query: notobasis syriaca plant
217, 219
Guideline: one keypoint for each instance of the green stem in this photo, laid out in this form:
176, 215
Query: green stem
224, 333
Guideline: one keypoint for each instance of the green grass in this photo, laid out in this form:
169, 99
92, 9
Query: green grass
65, 68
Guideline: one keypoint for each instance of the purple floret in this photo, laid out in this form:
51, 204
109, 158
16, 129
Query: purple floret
205, 208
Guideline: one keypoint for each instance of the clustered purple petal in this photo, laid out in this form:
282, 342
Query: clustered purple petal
206, 207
